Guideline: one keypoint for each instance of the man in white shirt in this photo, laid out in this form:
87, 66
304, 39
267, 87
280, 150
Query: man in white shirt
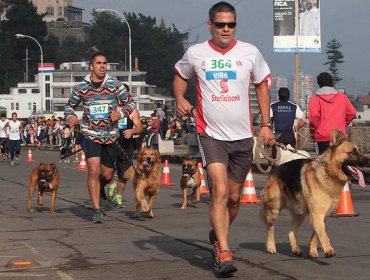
309, 20
15, 128
224, 69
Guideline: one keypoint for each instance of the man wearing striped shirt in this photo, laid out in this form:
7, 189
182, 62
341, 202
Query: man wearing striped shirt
100, 96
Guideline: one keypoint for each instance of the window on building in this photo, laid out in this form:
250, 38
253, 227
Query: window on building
144, 90
133, 91
34, 108
50, 11
12, 106
17, 106
48, 105
78, 78
61, 92
146, 106
122, 78
29, 106
76, 66
22, 90
62, 78
35, 90
47, 78
47, 90
138, 78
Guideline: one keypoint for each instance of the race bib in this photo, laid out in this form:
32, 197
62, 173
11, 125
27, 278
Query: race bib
99, 112
220, 68
122, 123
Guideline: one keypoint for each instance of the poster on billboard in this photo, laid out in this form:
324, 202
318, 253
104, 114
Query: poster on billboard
306, 38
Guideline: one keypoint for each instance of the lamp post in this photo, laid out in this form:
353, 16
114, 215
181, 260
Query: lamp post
102, 10
42, 66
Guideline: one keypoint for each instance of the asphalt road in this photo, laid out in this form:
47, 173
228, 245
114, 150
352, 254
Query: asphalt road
173, 245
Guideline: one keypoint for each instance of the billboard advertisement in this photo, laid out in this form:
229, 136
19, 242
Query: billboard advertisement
305, 37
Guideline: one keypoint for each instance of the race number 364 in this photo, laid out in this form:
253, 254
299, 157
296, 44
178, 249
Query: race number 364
221, 64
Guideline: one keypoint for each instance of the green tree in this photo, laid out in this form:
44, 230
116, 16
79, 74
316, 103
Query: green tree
335, 57
21, 17
158, 48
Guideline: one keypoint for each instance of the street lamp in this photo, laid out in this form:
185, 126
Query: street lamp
102, 10
42, 66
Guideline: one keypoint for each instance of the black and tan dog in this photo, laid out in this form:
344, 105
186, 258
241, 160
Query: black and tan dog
46, 177
311, 187
190, 179
146, 180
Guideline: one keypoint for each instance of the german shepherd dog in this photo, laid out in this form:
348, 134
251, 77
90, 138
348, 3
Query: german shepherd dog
311, 187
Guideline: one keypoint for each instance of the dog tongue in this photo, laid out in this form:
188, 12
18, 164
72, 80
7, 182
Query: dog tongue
361, 180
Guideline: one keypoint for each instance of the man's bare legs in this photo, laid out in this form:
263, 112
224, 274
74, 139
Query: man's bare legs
97, 174
225, 201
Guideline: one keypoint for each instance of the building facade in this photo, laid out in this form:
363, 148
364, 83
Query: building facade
52, 89
305, 90
58, 10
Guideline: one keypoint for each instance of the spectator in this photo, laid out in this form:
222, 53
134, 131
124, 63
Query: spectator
328, 109
57, 133
161, 116
153, 128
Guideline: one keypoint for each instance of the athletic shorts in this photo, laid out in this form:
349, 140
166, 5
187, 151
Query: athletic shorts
107, 153
236, 155
124, 161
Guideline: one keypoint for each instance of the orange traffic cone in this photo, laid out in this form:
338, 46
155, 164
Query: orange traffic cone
249, 192
83, 165
203, 188
345, 207
166, 176
29, 157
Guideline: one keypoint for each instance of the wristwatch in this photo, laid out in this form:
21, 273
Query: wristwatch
266, 125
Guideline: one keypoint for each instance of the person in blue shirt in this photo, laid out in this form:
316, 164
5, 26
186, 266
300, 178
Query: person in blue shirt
284, 114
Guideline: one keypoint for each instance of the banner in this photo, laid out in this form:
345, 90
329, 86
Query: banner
306, 37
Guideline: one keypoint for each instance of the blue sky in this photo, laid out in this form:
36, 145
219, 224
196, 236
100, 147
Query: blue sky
347, 21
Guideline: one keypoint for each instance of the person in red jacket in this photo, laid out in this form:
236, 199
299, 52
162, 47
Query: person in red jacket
328, 109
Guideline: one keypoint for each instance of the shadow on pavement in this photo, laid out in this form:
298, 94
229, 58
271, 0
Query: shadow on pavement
183, 249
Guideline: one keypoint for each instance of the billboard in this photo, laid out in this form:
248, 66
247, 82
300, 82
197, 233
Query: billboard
305, 37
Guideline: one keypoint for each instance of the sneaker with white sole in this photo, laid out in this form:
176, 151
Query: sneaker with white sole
111, 190
12, 163
118, 201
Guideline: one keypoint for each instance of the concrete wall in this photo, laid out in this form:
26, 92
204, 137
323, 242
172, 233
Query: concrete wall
358, 135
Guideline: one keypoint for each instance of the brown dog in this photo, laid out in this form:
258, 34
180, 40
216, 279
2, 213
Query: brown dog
190, 179
46, 177
146, 180
311, 187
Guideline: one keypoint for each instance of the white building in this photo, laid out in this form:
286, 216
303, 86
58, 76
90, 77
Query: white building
26, 98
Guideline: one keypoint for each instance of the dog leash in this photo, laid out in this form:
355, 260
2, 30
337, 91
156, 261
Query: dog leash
285, 148
71, 154
260, 149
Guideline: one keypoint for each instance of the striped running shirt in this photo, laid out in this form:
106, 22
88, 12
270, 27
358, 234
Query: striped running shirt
97, 104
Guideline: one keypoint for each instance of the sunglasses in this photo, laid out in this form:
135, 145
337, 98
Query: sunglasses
219, 25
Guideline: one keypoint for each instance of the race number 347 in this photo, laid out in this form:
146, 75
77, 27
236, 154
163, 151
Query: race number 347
99, 112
